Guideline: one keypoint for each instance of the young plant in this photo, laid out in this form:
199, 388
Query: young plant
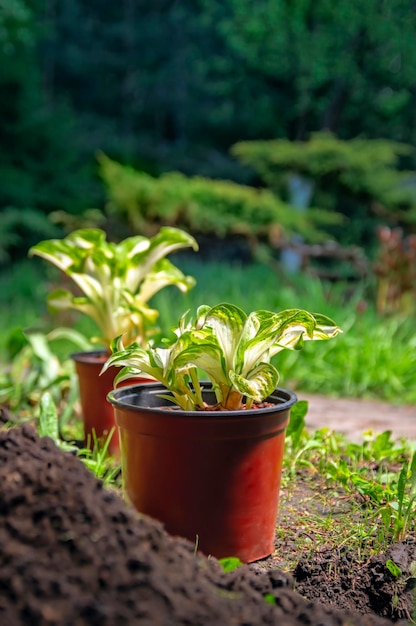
391, 495
403, 504
95, 457
35, 367
116, 279
233, 349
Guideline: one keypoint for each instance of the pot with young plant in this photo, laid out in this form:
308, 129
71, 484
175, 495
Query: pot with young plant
113, 285
205, 458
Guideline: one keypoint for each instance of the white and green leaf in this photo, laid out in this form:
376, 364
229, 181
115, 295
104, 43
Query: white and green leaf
116, 280
259, 384
229, 347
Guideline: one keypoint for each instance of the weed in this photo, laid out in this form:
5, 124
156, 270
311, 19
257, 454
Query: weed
403, 498
229, 564
96, 458
49, 423
356, 495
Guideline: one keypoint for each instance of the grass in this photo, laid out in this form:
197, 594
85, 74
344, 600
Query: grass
374, 358
338, 493
23, 290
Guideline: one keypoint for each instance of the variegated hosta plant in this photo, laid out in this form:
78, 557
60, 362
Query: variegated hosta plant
232, 349
116, 280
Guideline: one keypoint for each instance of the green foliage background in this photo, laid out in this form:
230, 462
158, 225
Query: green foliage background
172, 86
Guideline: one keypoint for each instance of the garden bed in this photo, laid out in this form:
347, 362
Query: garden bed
73, 553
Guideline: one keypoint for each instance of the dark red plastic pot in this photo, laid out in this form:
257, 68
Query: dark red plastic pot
97, 413
212, 477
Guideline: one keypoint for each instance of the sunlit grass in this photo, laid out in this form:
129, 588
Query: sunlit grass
374, 357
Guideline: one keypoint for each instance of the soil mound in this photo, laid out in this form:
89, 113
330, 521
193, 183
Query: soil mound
73, 554
334, 578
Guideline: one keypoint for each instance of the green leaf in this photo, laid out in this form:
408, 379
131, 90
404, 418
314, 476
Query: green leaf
226, 345
48, 418
393, 568
412, 478
401, 486
270, 599
230, 563
259, 383
116, 280
70, 334
296, 424
227, 322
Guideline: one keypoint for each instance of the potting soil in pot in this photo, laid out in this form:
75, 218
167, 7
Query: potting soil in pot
73, 553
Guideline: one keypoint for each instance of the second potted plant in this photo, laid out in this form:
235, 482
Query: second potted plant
205, 458
114, 283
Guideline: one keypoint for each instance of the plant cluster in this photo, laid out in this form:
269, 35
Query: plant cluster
371, 484
391, 495
116, 280
35, 368
232, 348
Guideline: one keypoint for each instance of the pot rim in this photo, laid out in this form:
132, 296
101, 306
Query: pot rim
88, 356
282, 399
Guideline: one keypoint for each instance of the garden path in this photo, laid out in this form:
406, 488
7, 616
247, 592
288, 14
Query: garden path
353, 417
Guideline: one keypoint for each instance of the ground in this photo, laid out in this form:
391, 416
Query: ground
75, 554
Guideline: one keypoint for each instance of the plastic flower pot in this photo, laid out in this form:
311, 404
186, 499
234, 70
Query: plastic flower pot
210, 476
97, 413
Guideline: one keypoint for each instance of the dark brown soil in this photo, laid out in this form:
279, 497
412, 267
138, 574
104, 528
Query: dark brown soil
369, 587
73, 554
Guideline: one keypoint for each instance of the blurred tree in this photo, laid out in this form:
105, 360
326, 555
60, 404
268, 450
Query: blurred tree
171, 85
359, 177
129, 70
216, 208
292, 67
39, 164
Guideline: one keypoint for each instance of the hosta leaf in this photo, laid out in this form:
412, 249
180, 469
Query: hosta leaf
227, 322
260, 383
263, 329
161, 245
229, 347
200, 348
302, 326
258, 336
86, 238
325, 327
55, 251
117, 279
163, 274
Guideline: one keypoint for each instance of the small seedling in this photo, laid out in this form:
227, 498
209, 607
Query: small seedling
393, 568
230, 563
49, 423
270, 599
97, 459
